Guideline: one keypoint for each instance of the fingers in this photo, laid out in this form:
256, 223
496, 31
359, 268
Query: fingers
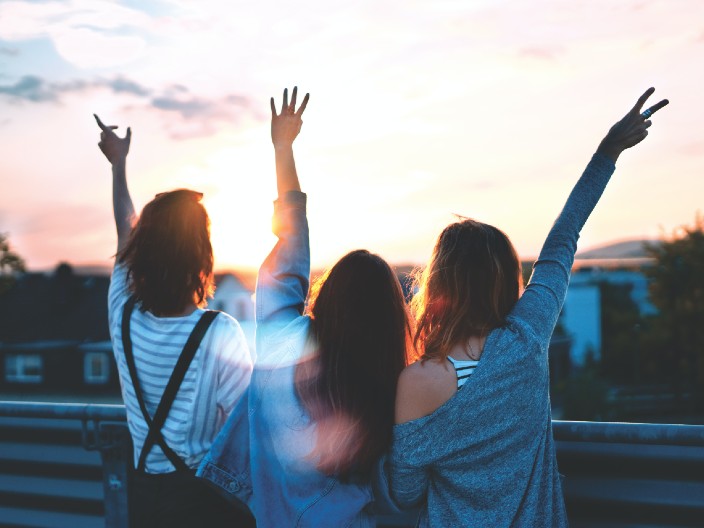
303, 105
128, 136
289, 108
642, 99
657, 107
100, 123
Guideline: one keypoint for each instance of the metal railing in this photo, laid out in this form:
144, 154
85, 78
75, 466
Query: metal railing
68, 465
64, 465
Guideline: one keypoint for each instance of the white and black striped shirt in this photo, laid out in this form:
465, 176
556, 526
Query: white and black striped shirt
463, 368
216, 379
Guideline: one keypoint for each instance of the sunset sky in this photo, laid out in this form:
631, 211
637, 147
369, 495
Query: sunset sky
418, 110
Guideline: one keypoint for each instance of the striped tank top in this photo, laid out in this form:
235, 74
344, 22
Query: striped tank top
463, 369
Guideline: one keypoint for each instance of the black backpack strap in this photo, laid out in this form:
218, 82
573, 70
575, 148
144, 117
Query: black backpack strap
162, 411
132, 367
129, 356
154, 435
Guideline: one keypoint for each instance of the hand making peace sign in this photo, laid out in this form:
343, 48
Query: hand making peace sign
630, 130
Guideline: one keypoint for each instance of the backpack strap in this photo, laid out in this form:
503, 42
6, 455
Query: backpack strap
154, 436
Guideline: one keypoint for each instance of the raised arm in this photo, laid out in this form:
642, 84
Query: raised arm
115, 150
542, 301
282, 284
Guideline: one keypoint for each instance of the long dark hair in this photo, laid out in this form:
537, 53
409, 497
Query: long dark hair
168, 256
361, 333
471, 284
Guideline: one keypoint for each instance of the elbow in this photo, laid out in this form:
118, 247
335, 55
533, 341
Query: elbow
407, 500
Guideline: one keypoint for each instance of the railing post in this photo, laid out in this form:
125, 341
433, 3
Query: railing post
116, 451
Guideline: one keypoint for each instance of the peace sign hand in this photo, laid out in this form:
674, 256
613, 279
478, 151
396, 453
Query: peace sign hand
630, 130
286, 125
115, 148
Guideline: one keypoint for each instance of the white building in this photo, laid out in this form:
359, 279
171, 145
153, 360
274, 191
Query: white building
581, 313
234, 298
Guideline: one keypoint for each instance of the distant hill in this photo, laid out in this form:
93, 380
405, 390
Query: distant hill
618, 250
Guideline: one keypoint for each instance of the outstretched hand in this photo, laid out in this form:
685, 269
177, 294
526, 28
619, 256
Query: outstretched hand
115, 148
630, 130
286, 125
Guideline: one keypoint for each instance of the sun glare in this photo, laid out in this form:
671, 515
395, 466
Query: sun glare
239, 203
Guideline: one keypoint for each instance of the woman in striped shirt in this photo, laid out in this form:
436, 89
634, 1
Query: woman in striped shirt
177, 396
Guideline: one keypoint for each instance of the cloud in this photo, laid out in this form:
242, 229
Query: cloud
9, 52
190, 106
540, 53
123, 85
37, 90
197, 116
86, 33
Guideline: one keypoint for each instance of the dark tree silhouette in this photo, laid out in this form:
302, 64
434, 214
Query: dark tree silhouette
677, 290
10, 264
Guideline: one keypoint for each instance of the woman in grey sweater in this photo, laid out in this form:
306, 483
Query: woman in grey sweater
473, 442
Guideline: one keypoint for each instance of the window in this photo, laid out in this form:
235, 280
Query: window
96, 368
24, 368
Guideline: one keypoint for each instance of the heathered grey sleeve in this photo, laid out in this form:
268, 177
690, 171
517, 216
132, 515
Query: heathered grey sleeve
542, 300
408, 484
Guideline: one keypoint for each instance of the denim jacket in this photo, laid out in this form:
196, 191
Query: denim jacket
262, 454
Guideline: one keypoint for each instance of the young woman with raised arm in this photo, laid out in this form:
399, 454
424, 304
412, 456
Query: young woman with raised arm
182, 369
321, 401
473, 445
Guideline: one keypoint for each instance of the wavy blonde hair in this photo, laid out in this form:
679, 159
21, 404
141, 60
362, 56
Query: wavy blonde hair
470, 285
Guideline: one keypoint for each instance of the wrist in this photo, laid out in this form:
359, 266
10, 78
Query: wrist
283, 146
119, 162
608, 151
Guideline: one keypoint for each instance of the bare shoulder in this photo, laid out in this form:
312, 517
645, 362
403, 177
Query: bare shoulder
422, 388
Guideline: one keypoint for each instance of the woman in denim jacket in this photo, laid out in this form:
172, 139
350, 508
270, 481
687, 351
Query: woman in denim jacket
320, 405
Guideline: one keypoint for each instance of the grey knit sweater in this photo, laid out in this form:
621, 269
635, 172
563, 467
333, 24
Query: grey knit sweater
486, 457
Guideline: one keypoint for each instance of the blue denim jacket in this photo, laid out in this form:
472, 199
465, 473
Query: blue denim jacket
261, 455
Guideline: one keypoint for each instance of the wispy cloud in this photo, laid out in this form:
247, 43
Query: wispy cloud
540, 53
9, 52
37, 90
86, 33
123, 85
198, 115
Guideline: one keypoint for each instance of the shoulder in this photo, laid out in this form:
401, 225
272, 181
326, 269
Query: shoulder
228, 337
226, 324
118, 291
423, 387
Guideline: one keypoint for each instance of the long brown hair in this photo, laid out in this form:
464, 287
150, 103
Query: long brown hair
361, 333
168, 256
471, 284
